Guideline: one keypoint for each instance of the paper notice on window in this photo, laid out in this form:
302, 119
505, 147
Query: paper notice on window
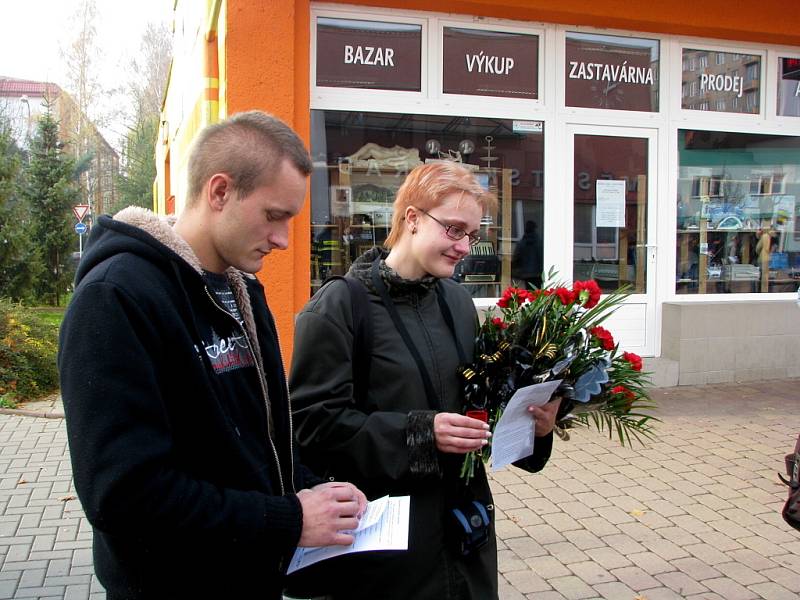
384, 526
513, 435
610, 194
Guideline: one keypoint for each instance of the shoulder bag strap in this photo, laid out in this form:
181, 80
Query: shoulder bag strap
377, 282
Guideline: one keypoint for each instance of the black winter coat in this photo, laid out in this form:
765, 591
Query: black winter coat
188, 494
387, 446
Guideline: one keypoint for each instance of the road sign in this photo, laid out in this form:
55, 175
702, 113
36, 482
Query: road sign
81, 228
80, 211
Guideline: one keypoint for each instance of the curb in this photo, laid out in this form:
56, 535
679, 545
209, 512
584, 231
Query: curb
21, 412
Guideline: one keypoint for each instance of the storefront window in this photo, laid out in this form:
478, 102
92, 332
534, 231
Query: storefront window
789, 87
738, 228
490, 63
611, 72
720, 87
368, 54
361, 159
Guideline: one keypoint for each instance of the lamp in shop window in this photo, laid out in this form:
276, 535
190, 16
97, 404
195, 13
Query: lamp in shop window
466, 147
432, 146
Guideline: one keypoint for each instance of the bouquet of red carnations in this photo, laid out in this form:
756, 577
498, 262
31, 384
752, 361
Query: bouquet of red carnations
554, 333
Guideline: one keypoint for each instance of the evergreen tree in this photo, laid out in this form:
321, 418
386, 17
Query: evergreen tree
20, 260
50, 193
135, 184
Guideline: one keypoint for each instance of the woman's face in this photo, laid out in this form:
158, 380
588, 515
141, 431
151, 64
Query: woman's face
432, 251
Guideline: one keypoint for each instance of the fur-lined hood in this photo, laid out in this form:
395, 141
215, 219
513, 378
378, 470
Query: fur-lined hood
140, 231
157, 227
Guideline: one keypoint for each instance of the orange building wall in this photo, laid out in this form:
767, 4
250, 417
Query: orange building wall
267, 66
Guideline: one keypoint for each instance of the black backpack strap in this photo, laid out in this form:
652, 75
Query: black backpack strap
362, 336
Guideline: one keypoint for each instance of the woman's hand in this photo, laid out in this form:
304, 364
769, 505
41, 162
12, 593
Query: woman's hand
459, 434
545, 416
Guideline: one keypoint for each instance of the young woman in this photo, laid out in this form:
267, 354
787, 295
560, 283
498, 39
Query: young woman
404, 435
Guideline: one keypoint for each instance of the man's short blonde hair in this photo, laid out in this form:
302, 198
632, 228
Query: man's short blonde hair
428, 185
248, 147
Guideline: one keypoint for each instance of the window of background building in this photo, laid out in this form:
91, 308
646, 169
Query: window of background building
361, 159
738, 227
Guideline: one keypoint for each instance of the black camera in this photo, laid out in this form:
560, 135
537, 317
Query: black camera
468, 527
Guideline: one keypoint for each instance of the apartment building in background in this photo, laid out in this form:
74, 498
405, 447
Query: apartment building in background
24, 102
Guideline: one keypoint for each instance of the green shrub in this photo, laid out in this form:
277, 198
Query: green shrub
28, 347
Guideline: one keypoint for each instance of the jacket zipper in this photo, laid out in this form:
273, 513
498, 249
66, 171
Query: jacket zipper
265, 394
289, 400
415, 304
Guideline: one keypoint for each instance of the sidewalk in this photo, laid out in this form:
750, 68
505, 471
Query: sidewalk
693, 514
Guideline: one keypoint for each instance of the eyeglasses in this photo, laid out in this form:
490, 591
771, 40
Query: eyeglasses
454, 232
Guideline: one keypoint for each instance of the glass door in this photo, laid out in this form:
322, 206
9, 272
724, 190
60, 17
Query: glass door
612, 188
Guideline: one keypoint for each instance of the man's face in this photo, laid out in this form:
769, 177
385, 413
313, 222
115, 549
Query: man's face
250, 227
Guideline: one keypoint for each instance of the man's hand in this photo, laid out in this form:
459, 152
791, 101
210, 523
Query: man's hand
328, 510
459, 434
545, 416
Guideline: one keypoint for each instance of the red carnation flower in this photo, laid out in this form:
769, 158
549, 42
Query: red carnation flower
508, 295
587, 293
565, 295
621, 390
499, 323
518, 295
604, 337
634, 359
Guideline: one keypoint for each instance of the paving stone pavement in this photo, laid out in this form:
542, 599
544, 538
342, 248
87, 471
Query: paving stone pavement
694, 513
45, 540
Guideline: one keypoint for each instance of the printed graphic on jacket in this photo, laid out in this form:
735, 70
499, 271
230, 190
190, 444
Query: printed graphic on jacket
229, 353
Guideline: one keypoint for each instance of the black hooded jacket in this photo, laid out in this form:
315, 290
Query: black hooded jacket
189, 483
386, 445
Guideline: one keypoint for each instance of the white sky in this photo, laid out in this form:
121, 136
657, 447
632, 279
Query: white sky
34, 31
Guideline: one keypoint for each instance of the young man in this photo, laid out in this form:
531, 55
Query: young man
177, 412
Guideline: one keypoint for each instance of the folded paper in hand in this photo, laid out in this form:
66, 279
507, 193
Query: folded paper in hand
384, 526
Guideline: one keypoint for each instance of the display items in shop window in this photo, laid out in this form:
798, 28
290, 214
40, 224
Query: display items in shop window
373, 155
370, 154
466, 147
482, 265
738, 210
488, 158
